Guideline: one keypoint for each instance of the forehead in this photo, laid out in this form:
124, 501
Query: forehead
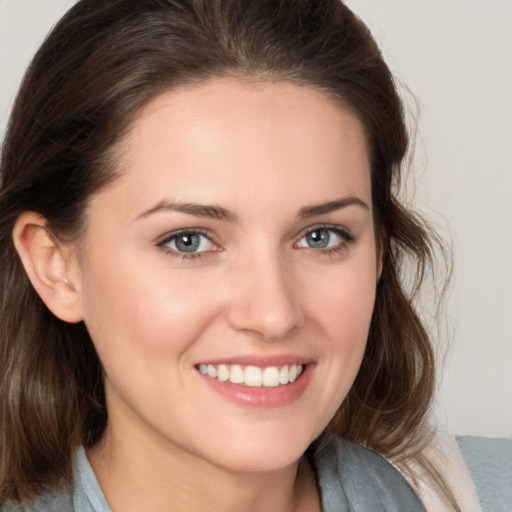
226, 137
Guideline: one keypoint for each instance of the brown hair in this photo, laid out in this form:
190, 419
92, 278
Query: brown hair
101, 63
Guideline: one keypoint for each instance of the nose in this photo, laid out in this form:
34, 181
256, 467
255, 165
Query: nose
264, 300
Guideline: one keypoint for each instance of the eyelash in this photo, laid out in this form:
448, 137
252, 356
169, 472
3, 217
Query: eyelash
163, 244
346, 239
344, 234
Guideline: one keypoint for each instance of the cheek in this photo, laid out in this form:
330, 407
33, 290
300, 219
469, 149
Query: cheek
343, 312
134, 320
340, 305
344, 301
346, 326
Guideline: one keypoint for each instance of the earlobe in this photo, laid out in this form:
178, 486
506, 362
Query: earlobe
50, 265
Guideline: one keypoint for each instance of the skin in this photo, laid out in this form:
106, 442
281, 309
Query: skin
265, 153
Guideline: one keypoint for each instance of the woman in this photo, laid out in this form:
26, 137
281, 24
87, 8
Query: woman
201, 249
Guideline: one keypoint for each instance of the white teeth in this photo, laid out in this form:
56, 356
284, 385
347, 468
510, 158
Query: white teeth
236, 374
271, 377
253, 376
222, 372
283, 375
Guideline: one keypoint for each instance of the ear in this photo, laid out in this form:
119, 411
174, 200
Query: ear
51, 266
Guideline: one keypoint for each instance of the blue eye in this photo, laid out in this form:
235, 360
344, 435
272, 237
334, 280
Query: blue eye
318, 239
187, 242
324, 238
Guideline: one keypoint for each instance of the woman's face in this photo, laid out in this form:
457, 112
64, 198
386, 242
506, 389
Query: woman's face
236, 250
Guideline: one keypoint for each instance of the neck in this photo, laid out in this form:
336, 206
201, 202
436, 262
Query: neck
145, 475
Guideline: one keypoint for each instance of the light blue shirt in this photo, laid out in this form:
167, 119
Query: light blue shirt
352, 479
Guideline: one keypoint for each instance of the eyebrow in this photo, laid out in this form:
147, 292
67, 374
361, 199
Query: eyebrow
198, 210
331, 206
220, 213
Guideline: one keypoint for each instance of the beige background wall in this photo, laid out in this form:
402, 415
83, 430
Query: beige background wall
455, 57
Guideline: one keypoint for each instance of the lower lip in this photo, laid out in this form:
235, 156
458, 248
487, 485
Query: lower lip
260, 396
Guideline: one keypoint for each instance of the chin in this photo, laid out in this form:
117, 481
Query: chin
264, 461
262, 454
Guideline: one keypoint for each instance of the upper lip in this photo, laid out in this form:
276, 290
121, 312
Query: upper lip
260, 361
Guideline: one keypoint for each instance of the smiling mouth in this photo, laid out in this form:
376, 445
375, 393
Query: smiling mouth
253, 376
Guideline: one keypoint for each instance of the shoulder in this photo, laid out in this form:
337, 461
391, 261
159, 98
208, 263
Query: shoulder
60, 501
57, 502
360, 479
83, 495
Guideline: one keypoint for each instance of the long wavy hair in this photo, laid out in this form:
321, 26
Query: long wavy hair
98, 67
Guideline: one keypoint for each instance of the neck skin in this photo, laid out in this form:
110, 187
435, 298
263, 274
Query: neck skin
137, 471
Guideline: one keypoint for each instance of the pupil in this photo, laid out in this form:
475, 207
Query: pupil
187, 243
318, 239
